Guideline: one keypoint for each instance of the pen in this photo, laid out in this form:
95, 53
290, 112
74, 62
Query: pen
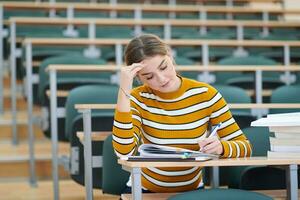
214, 131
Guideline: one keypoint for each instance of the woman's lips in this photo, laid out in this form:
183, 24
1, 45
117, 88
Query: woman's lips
165, 84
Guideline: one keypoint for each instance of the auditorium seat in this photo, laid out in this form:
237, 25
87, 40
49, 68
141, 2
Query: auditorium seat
66, 81
220, 193
102, 120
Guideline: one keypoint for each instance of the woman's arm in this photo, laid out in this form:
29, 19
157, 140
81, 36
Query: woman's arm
231, 141
127, 120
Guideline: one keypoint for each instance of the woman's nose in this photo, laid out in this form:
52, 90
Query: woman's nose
160, 78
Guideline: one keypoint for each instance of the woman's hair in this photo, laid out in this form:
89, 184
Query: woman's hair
144, 46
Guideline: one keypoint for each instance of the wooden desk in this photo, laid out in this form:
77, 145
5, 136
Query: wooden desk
146, 7
290, 164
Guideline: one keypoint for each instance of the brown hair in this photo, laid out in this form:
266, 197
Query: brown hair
144, 46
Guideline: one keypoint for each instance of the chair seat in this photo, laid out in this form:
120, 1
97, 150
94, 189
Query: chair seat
216, 194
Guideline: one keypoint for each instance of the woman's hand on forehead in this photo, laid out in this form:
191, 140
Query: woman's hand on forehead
139, 65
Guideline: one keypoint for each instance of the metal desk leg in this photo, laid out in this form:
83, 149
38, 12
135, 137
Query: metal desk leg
136, 189
88, 162
54, 137
215, 177
30, 113
1, 61
13, 81
292, 182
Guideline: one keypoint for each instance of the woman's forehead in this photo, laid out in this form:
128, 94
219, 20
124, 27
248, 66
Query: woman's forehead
152, 63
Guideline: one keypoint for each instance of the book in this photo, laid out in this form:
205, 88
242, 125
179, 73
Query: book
287, 135
291, 114
272, 154
284, 148
279, 120
152, 152
285, 129
284, 141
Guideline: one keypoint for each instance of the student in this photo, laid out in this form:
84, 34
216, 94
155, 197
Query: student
170, 110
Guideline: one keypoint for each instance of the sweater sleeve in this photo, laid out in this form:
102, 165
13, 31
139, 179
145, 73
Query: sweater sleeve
233, 140
126, 132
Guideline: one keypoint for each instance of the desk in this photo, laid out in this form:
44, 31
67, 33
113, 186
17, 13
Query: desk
86, 110
290, 164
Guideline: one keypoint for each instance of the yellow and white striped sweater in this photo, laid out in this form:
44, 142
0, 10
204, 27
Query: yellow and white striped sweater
177, 119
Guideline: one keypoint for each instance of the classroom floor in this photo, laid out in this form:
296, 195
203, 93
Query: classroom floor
69, 190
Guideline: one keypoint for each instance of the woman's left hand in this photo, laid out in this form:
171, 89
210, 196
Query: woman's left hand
211, 145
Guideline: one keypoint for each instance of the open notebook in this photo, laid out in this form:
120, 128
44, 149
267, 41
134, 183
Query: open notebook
152, 152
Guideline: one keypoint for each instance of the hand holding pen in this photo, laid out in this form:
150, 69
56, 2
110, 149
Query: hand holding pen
212, 144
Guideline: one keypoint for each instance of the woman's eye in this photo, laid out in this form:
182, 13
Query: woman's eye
163, 68
150, 77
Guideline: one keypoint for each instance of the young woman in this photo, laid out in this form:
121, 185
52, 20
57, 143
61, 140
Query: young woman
170, 110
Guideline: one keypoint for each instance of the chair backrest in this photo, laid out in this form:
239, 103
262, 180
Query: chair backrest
24, 13
286, 94
186, 61
223, 77
102, 120
233, 94
89, 94
220, 193
69, 78
259, 138
114, 178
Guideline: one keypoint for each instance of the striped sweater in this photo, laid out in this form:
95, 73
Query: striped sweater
176, 119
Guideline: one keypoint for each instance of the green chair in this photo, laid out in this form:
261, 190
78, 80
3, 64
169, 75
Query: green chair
108, 32
216, 194
179, 32
286, 94
243, 117
278, 36
278, 54
194, 33
215, 53
69, 78
86, 14
257, 177
114, 178
155, 15
41, 53
65, 81
187, 15
159, 31
185, 61
247, 80
285, 30
216, 16
223, 32
250, 32
233, 94
24, 13
102, 120
41, 31
125, 15
247, 16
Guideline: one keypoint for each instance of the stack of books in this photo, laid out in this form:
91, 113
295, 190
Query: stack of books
286, 129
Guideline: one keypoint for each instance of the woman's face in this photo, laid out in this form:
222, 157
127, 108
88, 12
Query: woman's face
159, 74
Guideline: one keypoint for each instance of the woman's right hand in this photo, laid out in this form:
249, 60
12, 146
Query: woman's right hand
127, 75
